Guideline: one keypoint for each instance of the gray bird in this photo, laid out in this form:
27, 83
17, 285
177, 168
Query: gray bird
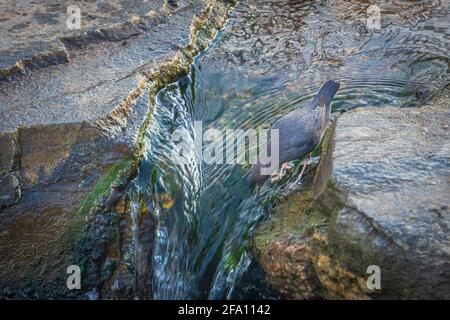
300, 132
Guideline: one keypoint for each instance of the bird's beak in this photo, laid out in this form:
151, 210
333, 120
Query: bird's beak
258, 188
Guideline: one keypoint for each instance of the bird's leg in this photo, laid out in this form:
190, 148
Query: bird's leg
285, 167
305, 164
277, 176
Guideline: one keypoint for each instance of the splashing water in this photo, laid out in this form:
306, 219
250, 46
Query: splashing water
270, 58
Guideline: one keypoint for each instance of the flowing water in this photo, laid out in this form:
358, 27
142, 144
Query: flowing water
270, 58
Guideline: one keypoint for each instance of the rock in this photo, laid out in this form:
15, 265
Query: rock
253, 285
73, 108
286, 250
379, 198
36, 34
10, 192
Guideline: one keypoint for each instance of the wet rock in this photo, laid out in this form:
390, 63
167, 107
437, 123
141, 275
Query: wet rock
254, 286
71, 136
35, 34
285, 249
379, 198
10, 192
8, 145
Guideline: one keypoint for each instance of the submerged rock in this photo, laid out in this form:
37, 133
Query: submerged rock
379, 200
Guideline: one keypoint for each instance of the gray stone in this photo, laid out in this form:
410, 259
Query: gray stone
10, 192
388, 185
34, 33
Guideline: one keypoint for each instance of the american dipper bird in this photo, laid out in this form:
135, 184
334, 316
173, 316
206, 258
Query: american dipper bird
300, 131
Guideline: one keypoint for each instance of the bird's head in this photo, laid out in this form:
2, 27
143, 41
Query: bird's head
328, 91
325, 95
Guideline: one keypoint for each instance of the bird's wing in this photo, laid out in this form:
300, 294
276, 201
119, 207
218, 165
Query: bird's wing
297, 134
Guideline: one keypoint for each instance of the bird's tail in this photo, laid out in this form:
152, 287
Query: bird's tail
328, 91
